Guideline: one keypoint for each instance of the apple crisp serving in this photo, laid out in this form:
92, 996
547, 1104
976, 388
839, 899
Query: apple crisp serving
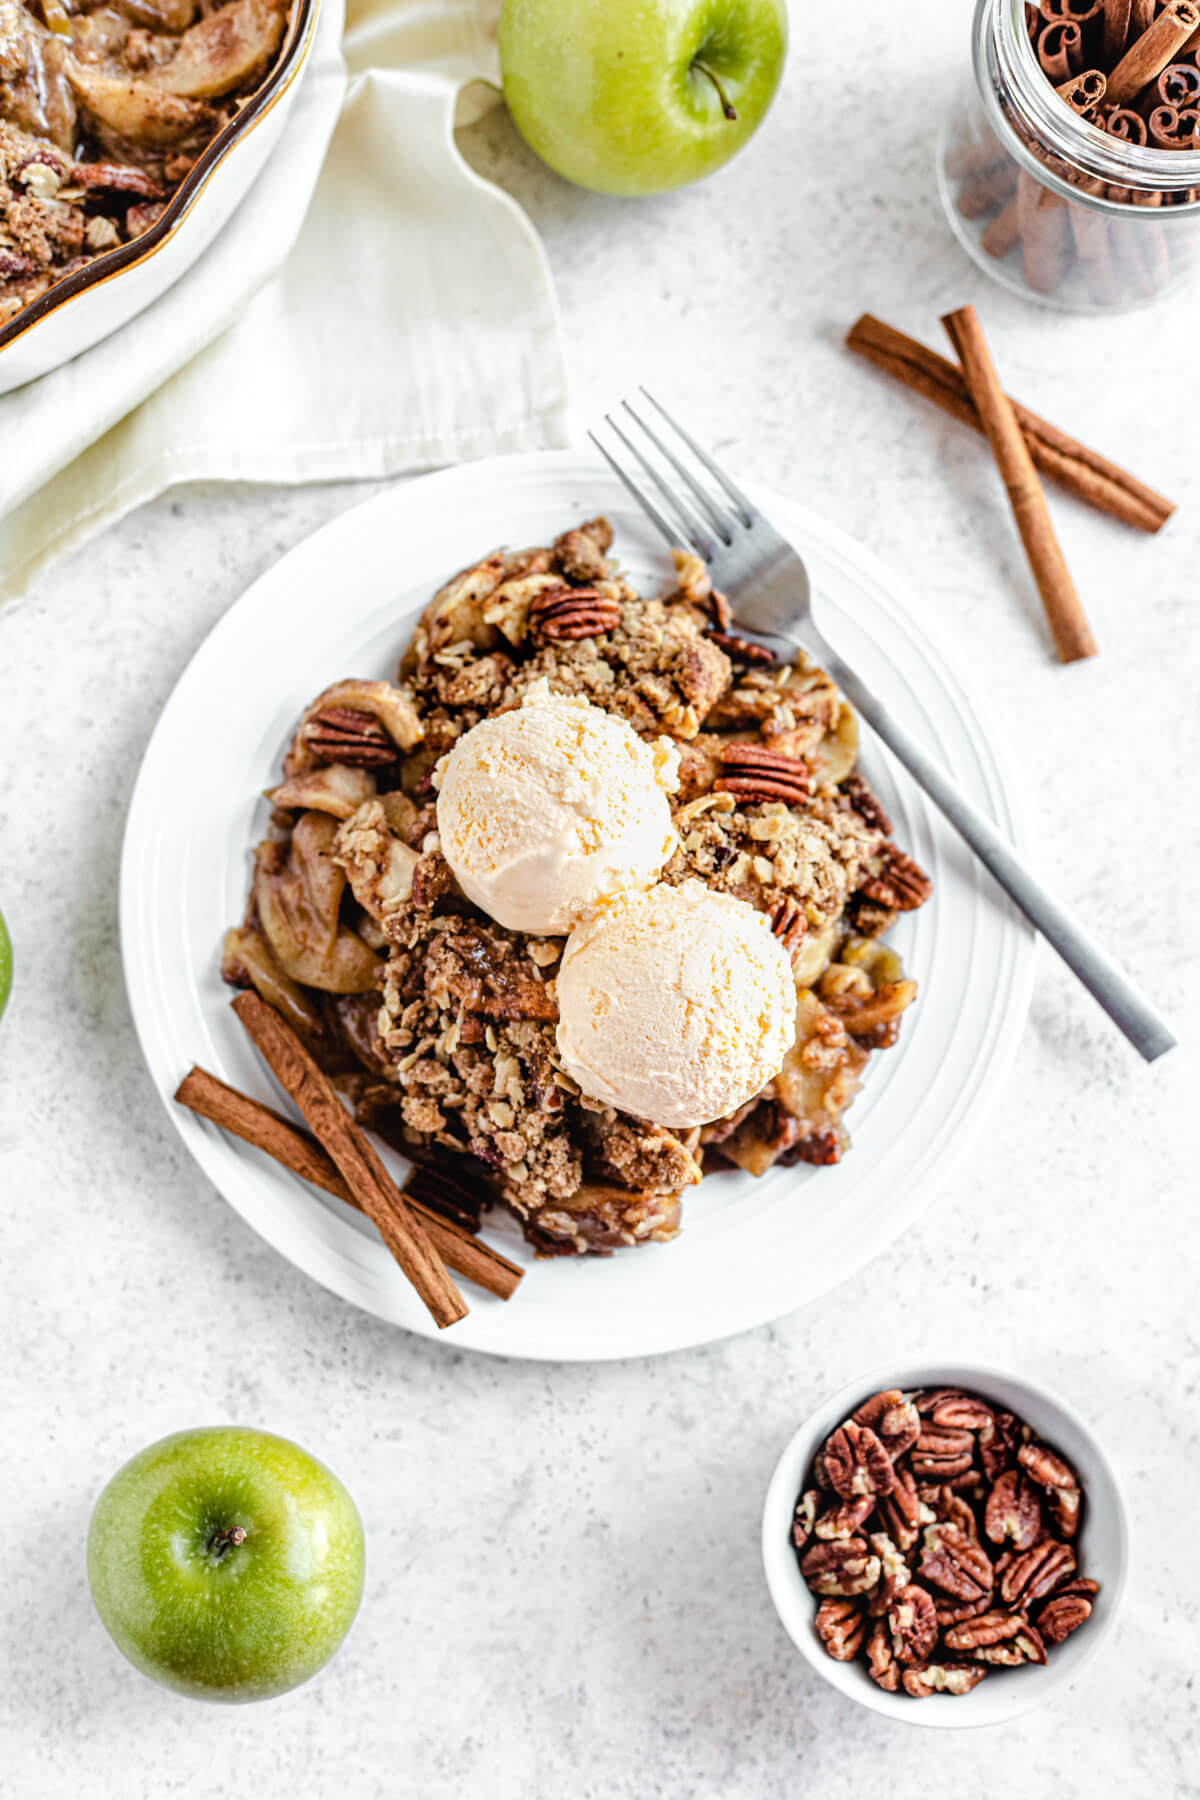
103, 110
438, 1024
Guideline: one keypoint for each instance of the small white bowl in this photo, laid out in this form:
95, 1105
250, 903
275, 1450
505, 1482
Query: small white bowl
1103, 1545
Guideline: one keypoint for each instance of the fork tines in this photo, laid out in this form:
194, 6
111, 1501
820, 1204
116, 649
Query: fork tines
705, 519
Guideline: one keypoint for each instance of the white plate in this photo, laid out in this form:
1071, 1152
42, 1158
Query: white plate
343, 604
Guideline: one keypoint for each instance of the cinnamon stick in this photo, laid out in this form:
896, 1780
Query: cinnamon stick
1170, 129
1042, 218
1178, 85
1083, 472
300, 1152
1001, 233
1122, 122
983, 193
1069, 628
1083, 93
1060, 51
1117, 15
364, 1174
1149, 54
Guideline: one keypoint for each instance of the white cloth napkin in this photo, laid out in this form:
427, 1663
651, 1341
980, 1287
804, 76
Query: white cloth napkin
413, 322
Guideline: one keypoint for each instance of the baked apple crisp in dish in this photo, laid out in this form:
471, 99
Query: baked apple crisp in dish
587, 904
104, 111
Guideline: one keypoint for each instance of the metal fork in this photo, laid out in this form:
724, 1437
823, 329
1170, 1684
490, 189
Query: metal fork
769, 588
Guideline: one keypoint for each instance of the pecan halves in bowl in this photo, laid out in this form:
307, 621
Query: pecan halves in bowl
566, 614
752, 773
1013, 1514
844, 1567
912, 1621
855, 1462
940, 1455
943, 1678
952, 1562
1065, 1611
1001, 1638
894, 1419
882, 1666
1036, 1573
1059, 1479
841, 1628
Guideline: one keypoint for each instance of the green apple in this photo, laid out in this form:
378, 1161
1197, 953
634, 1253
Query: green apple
226, 1563
5, 965
635, 96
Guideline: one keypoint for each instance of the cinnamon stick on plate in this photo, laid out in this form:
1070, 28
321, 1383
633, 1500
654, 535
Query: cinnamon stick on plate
1069, 628
1083, 472
403, 1233
300, 1152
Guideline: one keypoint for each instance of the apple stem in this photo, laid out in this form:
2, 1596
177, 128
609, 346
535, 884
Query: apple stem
223, 1541
727, 106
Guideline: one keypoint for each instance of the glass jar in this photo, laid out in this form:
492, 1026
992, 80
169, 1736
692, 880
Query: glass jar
1047, 202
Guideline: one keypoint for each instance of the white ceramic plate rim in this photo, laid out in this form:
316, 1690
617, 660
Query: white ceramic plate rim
639, 1312
1007, 1693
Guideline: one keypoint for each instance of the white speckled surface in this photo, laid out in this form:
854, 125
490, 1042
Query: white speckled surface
564, 1595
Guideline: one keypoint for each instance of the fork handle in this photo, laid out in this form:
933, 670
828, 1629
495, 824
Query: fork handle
1100, 975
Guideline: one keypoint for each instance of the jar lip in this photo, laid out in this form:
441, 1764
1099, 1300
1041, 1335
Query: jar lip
1076, 140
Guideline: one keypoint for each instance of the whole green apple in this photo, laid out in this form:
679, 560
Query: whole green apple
226, 1563
635, 96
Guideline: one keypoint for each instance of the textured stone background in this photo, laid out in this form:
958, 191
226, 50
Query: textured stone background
565, 1596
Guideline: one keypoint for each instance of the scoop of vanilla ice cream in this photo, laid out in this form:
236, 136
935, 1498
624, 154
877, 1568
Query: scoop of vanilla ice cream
545, 811
676, 1005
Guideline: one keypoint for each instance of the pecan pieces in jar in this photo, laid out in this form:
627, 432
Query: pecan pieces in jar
939, 1536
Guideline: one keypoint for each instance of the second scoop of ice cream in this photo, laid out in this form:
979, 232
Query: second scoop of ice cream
677, 1005
548, 810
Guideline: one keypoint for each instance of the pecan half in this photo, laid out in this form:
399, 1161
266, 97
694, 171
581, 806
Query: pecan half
805, 1517
882, 1666
753, 773
912, 1621
741, 650
952, 1509
998, 1446
1036, 1573
1049, 1470
789, 923
958, 1412
857, 1463
864, 802
954, 1564
894, 1573
939, 1455
565, 614
841, 1628
844, 1567
943, 1678
843, 1521
998, 1637
343, 734
952, 1612
118, 178
900, 1510
899, 883
1013, 1514
894, 1420
1061, 1615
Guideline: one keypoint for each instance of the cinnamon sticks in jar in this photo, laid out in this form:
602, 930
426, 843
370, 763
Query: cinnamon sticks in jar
1065, 219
